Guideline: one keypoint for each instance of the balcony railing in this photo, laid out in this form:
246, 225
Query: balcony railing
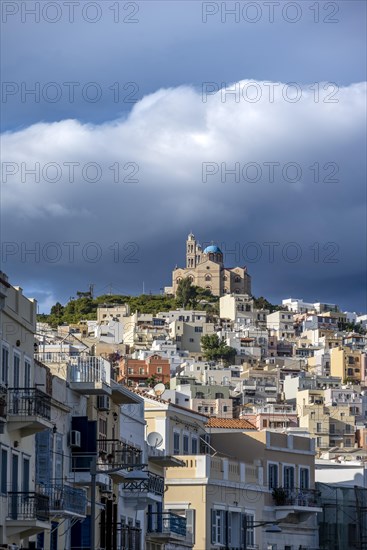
130, 538
27, 506
167, 523
3, 392
28, 402
296, 497
113, 453
66, 499
89, 369
151, 484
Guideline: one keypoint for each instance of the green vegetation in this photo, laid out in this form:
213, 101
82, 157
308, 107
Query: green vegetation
189, 295
215, 348
262, 303
85, 308
352, 327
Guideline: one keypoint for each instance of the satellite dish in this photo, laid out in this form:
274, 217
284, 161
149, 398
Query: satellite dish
155, 439
159, 389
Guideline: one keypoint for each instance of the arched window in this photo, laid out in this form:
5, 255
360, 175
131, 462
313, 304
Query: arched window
208, 287
178, 280
237, 290
208, 277
225, 277
191, 278
237, 279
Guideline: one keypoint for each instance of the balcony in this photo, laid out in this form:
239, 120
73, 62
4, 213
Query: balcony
130, 538
67, 501
28, 513
145, 482
81, 471
167, 527
119, 457
295, 501
89, 375
28, 410
122, 396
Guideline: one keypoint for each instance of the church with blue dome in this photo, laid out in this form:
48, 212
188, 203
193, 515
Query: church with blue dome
205, 268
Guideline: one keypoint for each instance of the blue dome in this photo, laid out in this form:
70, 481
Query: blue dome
213, 249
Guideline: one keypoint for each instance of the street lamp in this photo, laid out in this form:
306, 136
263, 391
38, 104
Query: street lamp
272, 527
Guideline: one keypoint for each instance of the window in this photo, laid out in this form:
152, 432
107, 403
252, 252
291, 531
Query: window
218, 526
141, 370
304, 478
185, 444
191, 340
194, 446
198, 329
159, 369
4, 471
27, 374
250, 538
225, 408
176, 443
273, 476
318, 426
288, 477
16, 371
26, 473
5, 365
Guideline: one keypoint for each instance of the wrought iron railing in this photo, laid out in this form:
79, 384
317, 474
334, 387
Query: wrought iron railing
28, 505
296, 497
130, 538
65, 498
167, 522
110, 454
113, 453
152, 484
3, 392
28, 402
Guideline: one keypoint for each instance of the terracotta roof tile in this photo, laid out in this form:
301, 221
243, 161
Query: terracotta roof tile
230, 423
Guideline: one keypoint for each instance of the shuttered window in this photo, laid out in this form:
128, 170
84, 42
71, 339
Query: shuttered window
44, 457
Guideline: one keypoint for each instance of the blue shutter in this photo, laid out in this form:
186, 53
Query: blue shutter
85, 533
159, 517
213, 527
150, 518
4, 471
44, 457
59, 460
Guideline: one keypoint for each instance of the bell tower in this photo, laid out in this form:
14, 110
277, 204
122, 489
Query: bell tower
191, 251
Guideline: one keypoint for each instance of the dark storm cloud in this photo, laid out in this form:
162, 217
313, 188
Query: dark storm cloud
164, 137
178, 160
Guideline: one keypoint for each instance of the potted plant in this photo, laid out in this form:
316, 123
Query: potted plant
280, 496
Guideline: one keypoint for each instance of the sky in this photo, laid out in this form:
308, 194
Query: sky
127, 125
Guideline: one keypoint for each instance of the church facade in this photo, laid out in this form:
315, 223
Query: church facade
205, 269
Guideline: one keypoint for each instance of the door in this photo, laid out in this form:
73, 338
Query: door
14, 487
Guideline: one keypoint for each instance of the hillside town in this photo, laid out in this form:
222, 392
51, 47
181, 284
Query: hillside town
222, 422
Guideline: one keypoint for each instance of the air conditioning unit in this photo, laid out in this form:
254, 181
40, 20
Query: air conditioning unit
103, 402
75, 438
107, 488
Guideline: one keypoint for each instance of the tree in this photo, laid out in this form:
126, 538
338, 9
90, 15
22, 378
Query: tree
186, 292
215, 348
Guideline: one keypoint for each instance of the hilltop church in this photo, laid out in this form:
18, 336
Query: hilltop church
205, 269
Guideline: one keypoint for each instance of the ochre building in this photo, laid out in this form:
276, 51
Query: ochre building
205, 268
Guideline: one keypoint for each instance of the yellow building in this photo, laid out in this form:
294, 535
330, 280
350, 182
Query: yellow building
229, 475
205, 269
331, 426
347, 364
